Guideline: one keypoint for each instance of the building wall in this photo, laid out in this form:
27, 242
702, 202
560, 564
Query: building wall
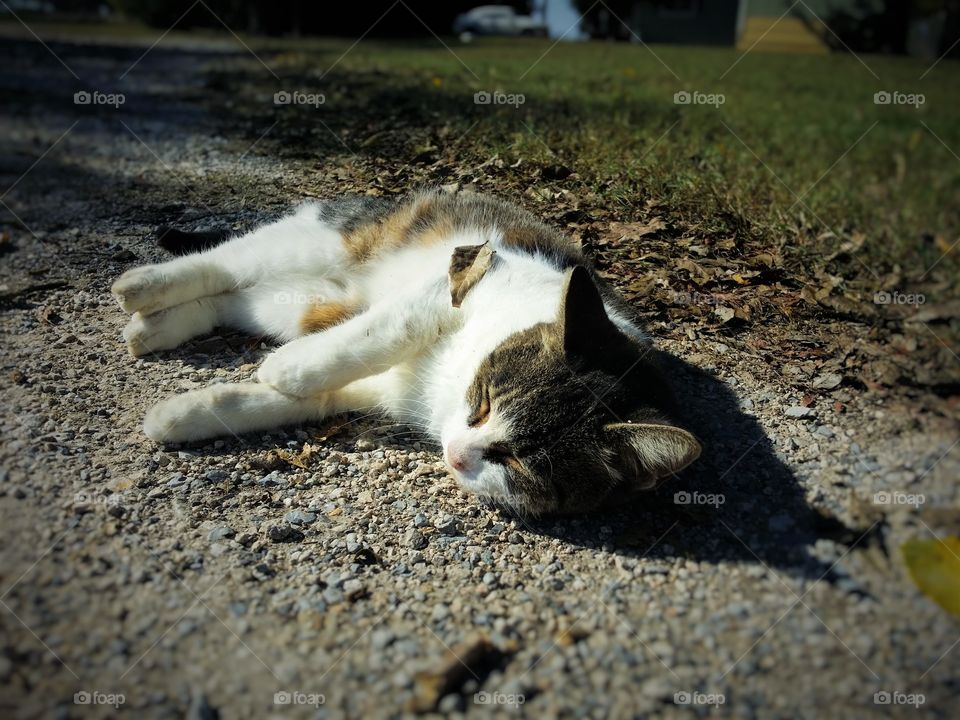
714, 22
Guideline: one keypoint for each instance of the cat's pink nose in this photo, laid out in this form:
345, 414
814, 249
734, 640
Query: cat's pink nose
460, 458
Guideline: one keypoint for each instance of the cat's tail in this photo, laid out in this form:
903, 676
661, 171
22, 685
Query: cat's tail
180, 242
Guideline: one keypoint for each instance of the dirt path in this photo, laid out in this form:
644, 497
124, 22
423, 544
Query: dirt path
211, 578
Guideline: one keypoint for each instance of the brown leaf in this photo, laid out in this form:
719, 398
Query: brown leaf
636, 230
697, 272
48, 315
300, 460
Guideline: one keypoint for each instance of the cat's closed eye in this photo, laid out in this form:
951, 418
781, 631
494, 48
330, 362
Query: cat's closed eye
482, 411
502, 454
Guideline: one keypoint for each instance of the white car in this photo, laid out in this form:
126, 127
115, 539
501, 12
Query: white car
496, 20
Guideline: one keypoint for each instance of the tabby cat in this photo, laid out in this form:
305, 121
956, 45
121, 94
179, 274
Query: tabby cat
458, 313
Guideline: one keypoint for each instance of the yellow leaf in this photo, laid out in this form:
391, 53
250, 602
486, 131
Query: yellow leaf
934, 566
738, 278
944, 245
437, 81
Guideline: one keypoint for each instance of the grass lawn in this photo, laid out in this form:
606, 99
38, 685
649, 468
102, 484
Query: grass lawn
798, 151
793, 191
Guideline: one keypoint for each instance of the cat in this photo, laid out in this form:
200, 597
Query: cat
458, 313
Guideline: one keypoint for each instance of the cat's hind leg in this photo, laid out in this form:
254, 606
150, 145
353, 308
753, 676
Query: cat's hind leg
152, 288
235, 408
300, 241
167, 329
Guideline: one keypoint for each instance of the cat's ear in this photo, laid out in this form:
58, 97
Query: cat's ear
649, 452
468, 264
585, 325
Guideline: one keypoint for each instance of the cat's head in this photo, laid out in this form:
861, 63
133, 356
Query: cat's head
567, 416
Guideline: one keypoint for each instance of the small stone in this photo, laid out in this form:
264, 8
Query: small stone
262, 571
825, 431
354, 589
450, 704
333, 596
827, 381
440, 612
221, 533
283, 533
216, 475
449, 525
417, 540
300, 517
798, 411
382, 638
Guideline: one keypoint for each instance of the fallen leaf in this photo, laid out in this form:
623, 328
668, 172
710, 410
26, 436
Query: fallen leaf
944, 245
48, 315
300, 459
934, 566
636, 230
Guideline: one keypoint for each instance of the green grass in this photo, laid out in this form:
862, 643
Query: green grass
791, 127
798, 156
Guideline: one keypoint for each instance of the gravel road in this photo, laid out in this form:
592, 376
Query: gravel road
336, 570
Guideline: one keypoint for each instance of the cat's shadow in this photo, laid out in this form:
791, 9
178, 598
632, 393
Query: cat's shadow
739, 502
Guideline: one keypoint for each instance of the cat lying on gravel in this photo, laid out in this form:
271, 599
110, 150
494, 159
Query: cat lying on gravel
458, 313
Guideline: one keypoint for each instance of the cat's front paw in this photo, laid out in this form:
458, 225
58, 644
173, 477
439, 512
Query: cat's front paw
285, 371
179, 419
137, 290
147, 334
